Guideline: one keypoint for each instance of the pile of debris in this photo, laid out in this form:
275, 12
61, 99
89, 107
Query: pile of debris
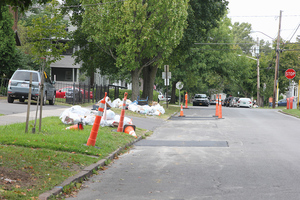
155, 109
77, 114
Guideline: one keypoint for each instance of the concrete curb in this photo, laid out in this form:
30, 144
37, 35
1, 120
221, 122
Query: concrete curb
85, 173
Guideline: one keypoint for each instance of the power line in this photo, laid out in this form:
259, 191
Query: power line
222, 43
273, 16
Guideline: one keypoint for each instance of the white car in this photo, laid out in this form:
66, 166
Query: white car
162, 97
244, 102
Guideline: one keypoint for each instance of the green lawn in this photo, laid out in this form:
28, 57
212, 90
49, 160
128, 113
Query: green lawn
31, 164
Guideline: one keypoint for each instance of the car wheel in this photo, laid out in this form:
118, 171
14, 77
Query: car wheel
10, 99
52, 101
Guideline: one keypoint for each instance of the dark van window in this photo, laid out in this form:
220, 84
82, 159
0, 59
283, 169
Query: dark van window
25, 76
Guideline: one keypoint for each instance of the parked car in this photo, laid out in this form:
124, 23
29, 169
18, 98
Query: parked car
229, 99
200, 100
18, 86
233, 102
212, 102
226, 101
162, 97
281, 102
61, 93
244, 102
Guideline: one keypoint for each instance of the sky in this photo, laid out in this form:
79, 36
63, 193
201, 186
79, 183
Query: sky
263, 15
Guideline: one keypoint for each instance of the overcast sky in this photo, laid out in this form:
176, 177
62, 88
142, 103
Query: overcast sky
264, 17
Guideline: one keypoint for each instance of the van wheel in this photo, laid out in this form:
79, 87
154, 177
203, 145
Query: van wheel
10, 99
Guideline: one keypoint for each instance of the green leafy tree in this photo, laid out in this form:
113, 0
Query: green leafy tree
20, 5
135, 33
46, 34
91, 55
241, 33
203, 16
7, 44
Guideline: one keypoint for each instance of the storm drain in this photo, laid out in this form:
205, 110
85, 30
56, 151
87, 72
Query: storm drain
176, 143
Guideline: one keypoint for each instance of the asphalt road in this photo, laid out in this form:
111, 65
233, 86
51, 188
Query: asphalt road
250, 154
18, 107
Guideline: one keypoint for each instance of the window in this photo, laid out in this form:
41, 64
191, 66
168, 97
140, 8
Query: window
25, 76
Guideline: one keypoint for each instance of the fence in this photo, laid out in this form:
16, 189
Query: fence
3, 86
75, 93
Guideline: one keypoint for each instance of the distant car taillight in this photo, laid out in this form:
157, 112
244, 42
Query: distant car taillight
249, 102
238, 101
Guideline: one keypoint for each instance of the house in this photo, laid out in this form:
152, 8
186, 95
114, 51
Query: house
65, 71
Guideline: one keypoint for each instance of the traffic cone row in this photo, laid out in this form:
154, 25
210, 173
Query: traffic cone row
218, 107
94, 132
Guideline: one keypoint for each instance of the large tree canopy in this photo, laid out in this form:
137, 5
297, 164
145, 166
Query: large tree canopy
135, 33
7, 43
46, 34
203, 17
21, 5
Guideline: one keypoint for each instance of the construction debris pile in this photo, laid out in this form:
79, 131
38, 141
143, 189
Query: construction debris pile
77, 114
155, 109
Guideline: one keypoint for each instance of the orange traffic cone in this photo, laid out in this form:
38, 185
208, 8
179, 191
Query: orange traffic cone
120, 127
217, 107
220, 110
78, 126
181, 112
186, 101
130, 129
94, 132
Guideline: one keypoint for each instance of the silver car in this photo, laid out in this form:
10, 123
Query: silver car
18, 87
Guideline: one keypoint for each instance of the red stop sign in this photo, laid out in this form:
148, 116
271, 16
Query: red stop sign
290, 73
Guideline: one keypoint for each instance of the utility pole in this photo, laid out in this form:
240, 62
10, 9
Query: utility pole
258, 81
277, 64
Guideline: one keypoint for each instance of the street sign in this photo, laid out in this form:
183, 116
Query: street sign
166, 67
167, 82
179, 85
164, 75
290, 73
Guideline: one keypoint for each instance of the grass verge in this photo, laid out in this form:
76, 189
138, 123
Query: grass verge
293, 112
31, 164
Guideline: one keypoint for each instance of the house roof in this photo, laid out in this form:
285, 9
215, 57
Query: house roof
66, 62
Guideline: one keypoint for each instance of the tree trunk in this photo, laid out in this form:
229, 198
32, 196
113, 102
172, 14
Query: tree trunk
173, 93
135, 84
149, 74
